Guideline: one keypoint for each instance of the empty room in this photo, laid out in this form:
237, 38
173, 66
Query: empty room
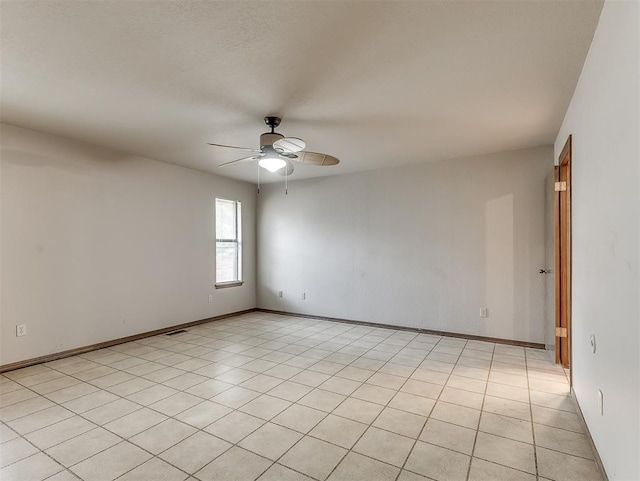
318, 240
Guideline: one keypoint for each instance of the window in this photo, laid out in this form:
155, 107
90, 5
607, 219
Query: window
228, 243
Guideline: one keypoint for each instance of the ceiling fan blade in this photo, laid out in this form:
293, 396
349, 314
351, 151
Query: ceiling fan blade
234, 147
288, 170
314, 158
289, 145
253, 157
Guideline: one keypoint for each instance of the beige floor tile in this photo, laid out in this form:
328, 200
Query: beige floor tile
449, 436
290, 391
18, 410
515, 380
337, 430
507, 407
262, 383
467, 384
265, 407
340, 385
387, 380
412, 403
397, 370
507, 392
185, 381
203, 414
82, 447
358, 410
195, 452
562, 402
456, 414
235, 397
310, 378
471, 372
236, 376
209, 388
506, 452
355, 373
365, 364
433, 377
322, 400
355, 467
557, 419
385, 446
270, 441
282, 371
564, 467
175, 403
162, 436
234, 426
34, 468
152, 394
7, 434
63, 476
421, 388
111, 463
236, 464
59, 432
300, 418
135, 422
15, 450
16, 395
568, 442
400, 422
327, 367
163, 375
438, 463
155, 469
132, 386
375, 394
53, 385
463, 398
90, 401
111, 411
409, 476
549, 386
40, 419
506, 427
438, 366
278, 472
313, 457
482, 470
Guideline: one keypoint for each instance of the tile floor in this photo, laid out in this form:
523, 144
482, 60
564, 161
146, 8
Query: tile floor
279, 398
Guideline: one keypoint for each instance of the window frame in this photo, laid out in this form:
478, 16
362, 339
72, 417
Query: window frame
237, 240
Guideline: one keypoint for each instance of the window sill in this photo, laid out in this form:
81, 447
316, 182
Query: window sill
224, 285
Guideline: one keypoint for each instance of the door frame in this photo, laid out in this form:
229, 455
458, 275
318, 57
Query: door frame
562, 207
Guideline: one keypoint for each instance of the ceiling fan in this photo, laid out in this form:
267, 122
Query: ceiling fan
277, 151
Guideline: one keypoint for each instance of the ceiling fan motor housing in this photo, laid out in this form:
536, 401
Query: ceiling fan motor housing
268, 138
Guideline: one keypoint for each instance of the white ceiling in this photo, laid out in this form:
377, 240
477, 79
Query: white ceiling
376, 84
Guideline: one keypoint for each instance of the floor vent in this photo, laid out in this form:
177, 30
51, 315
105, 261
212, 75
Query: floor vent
176, 332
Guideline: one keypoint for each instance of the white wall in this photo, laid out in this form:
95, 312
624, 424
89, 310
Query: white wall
422, 246
98, 245
603, 119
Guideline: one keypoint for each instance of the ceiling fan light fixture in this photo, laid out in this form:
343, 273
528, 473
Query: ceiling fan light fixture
272, 164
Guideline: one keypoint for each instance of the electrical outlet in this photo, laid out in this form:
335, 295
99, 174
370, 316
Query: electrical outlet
210, 298
21, 330
600, 402
484, 312
279, 293
304, 296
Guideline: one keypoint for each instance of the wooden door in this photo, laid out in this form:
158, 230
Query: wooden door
563, 256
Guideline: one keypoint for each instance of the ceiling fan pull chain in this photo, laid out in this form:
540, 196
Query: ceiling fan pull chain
286, 180
258, 178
